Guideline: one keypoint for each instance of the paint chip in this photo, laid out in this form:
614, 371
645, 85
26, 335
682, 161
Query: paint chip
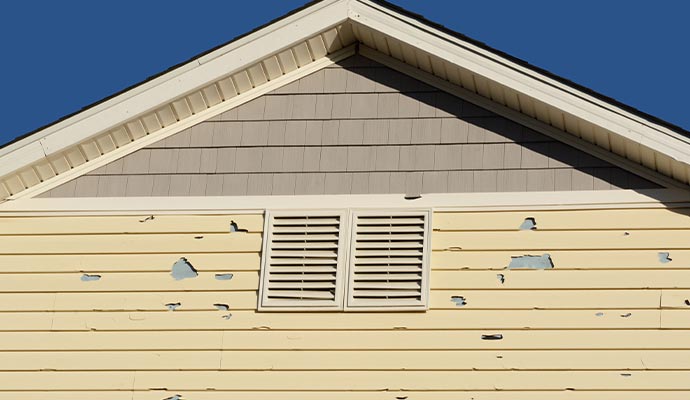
626, 315
664, 257
182, 269
235, 228
501, 278
224, 277
459, 301
687, 302
149, 218
175, 397
222, 307
543, 261
173, 306
90, 278
496, 336
227, 316
599, 314
529, 224
198, 237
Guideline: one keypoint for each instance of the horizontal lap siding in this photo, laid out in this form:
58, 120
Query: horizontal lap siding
610, 320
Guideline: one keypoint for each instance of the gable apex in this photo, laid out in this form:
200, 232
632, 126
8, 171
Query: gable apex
308, 39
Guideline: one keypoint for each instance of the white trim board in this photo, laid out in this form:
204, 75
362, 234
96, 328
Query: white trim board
615, 199
187, 123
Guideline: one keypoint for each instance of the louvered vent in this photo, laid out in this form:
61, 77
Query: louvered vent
303, 261
388, 260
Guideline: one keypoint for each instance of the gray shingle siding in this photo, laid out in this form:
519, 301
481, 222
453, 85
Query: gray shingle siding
354, 127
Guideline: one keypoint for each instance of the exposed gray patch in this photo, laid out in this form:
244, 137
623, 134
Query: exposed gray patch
224, 277
531, 262
529, 224
495, 336
664, 257
459, 301
599, 314
149, 218
235, 228
173, 306
182, 269
222, 307
626, 315
89, 278
501, 278
227, 316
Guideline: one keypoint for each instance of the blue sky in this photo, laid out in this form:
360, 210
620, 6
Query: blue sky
59, 56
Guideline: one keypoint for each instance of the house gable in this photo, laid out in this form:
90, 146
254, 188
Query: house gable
354, 127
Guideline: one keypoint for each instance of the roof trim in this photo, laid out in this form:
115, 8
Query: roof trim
572, 109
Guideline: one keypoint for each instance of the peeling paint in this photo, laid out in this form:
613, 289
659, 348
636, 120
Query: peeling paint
529, 224
626, 315
459, 301
224, 277
501, 278
495, 336
173, 306
182, 269
664, 257
90, 278
149, 218
227, 316
222, 307
543, 261
175, 397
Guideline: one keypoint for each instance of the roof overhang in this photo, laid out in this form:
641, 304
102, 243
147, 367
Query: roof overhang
309, 39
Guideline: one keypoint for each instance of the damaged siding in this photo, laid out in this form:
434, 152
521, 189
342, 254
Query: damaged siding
355, 127
140, 333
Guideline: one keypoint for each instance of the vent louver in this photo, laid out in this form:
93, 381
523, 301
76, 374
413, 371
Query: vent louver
303, 260
388, 254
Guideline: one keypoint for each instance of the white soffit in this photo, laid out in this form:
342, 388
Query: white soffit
298, 44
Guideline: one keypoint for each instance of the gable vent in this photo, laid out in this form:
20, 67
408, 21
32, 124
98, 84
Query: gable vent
302, 261
388, 258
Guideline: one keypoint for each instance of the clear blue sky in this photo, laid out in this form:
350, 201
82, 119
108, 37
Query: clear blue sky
59, 56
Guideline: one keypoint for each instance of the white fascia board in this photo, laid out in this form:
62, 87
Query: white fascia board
519, 78
614, 199
182, 80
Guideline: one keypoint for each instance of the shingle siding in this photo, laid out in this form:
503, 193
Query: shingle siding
354, 127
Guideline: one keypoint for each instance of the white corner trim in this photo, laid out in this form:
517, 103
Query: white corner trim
518, 78
184, 124
613, 199
522, 119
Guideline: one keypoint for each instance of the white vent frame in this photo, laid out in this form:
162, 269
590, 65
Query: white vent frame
352, 304
266, 304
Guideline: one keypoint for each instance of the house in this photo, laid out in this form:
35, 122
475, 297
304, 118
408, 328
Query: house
350, 202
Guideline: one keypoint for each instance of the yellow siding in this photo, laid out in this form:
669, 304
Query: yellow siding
609, 321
